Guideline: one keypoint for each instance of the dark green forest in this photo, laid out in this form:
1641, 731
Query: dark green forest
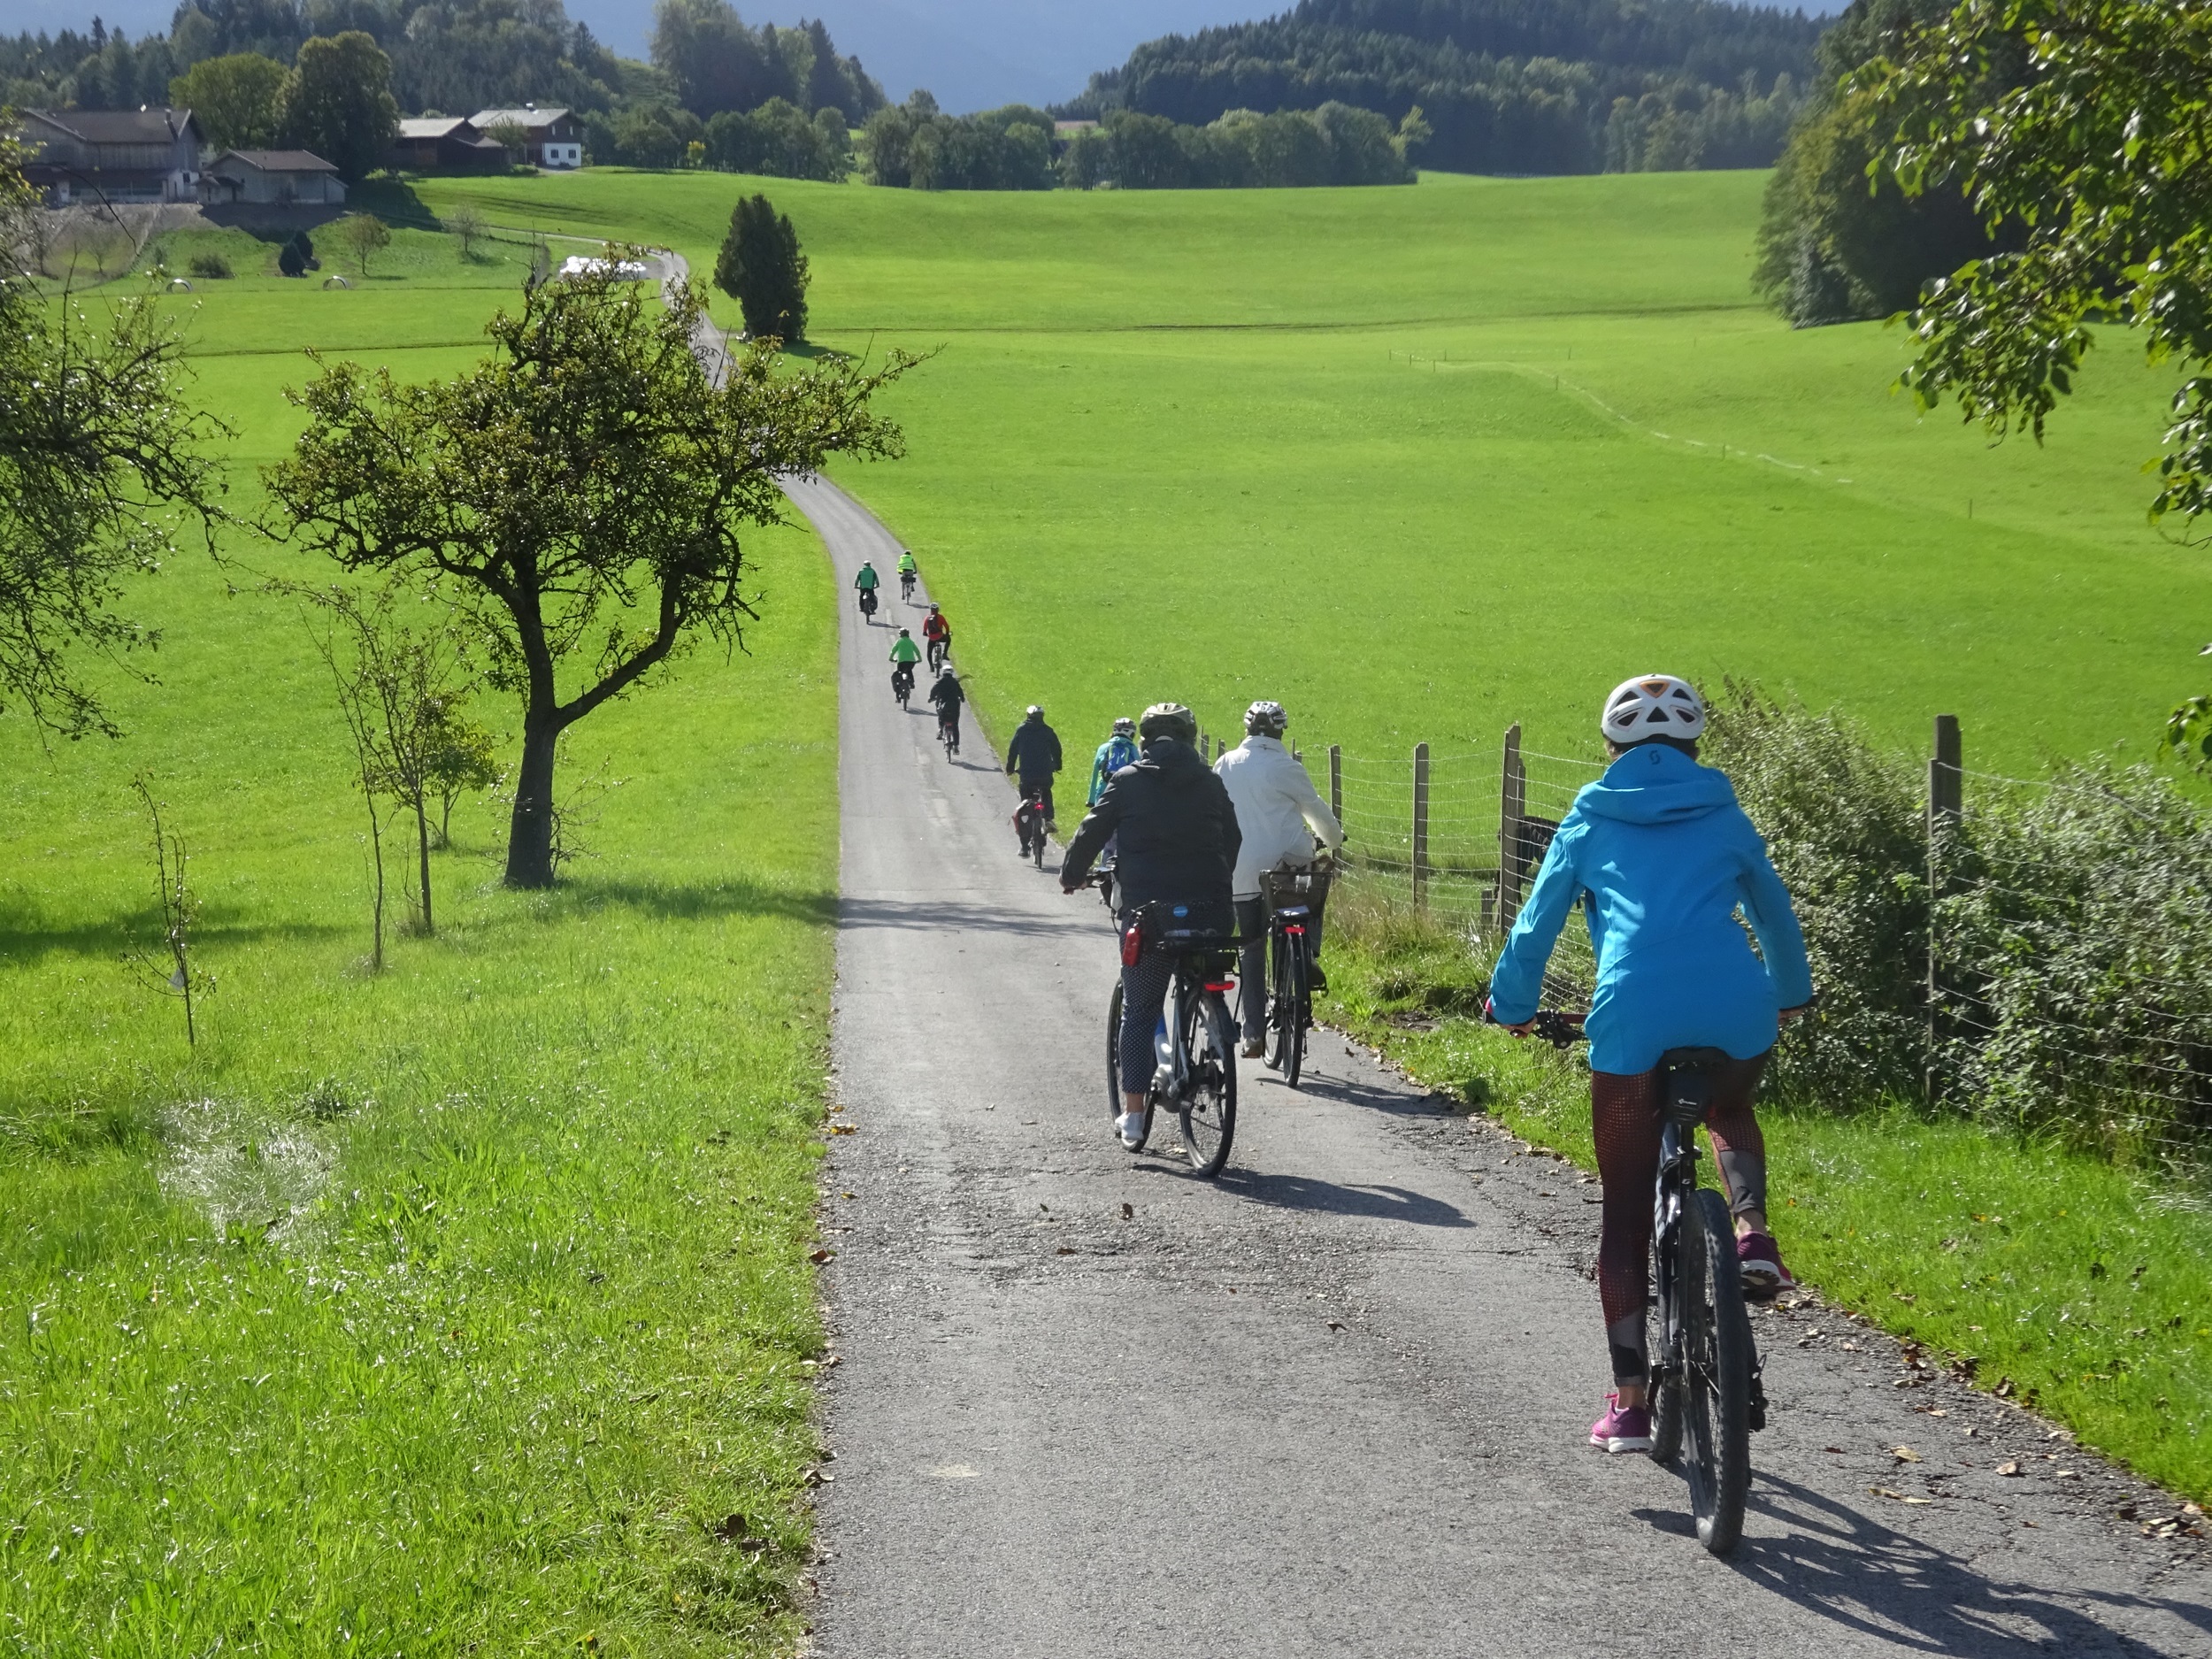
1506, 85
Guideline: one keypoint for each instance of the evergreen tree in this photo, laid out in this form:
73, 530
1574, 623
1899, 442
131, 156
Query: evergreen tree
763, 270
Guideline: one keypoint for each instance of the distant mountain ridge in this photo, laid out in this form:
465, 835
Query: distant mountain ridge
1510, 86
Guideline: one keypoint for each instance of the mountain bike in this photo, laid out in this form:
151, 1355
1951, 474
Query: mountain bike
1029, 826
949, 731
939, 650
868, 604
1293, 897
903, 682
906, 586
1706, 1384
1195, 1046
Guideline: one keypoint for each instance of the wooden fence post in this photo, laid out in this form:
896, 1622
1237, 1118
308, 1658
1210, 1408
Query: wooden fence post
1512, 802
1420, 825
1336, 785
1946, 805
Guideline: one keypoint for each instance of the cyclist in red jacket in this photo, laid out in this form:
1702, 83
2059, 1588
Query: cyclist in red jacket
938, 632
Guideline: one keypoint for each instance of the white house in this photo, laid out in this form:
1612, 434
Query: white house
552, 138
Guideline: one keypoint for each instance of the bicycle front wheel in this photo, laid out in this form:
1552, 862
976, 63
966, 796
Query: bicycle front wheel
1209, 1109
1715, 1375
1286, 1006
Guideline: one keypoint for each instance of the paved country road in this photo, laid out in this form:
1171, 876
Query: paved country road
1087, 1405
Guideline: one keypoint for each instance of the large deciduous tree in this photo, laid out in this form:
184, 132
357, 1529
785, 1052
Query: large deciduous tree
337, 102
583, 497
98, 449
2101, 154
234, 97
763, 270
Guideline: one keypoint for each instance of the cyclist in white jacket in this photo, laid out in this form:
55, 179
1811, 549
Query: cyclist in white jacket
1278, 814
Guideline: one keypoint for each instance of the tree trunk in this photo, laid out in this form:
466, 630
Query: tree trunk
530, 834
422, 848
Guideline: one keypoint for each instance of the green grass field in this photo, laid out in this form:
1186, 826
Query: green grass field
1422, 462
441, 1311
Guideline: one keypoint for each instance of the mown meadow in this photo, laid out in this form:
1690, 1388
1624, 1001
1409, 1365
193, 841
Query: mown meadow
458, 1307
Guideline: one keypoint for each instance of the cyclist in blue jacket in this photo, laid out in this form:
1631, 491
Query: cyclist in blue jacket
1116, 752
1659, 858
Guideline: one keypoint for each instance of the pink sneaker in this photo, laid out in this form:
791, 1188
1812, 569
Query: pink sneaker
1622, 1428
1760, 1261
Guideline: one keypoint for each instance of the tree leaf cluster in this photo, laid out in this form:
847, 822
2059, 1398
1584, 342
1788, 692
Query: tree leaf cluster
2095, 148
1839, 238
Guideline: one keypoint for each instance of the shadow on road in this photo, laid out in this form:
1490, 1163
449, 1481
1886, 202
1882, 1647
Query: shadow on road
937, 916
1303, 1192
1848, 1567
1397, 1102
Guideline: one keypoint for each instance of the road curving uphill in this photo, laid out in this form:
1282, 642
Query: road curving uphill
1335, 1403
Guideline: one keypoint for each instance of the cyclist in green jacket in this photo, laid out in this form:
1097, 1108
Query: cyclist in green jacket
904, 654
908, 570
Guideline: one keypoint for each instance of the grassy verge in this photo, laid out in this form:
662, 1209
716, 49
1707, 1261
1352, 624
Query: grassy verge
2067, 1284
452, 1308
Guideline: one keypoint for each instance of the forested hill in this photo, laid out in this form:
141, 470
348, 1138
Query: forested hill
1508, 86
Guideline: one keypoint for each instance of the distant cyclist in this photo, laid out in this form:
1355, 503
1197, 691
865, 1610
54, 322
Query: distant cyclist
1660, 858
904, 654
1116, 752
1178, 844
1034, 753
1279, 812
938, 632
867, 583
946, 696
908, 570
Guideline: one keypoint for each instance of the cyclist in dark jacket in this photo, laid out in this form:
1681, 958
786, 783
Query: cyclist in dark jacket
1034, 753
1177, 843
946, 696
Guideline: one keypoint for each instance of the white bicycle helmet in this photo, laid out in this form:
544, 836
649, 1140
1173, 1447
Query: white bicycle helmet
1652, 705
1125, 726
1266, 718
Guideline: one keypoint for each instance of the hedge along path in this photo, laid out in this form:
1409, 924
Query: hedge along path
1336, 1401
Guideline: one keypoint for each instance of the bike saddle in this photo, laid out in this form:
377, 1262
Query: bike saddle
1688, 1082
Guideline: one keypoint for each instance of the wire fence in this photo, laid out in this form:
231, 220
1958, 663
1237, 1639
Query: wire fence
2067, 924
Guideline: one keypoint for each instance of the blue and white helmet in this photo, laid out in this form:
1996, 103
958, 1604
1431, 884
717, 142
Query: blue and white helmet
1652, 705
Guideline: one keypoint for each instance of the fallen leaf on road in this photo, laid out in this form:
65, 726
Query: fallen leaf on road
843, 1129
1335, 1325
1128, 1211
1904, 1455
1066, 1250
1884, 1492
2007, 1467
819, 1256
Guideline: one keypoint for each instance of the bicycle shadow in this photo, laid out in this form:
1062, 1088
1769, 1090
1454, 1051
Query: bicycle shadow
1378, 1203
1396, 1100
1843, 1564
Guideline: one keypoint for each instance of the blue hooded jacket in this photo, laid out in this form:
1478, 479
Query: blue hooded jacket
1665, 856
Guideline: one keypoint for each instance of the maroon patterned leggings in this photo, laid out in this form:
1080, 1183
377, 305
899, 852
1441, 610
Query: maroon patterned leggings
1625, 1115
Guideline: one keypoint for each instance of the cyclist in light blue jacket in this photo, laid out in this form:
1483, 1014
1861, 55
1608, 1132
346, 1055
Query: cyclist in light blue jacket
1661, 858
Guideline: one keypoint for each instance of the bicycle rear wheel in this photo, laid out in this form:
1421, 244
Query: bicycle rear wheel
1715, 1374
1208, 1107
1287, 1005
